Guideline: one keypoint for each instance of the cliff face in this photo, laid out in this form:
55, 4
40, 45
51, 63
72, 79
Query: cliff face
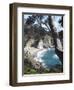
38, 34
48, 41
30, 58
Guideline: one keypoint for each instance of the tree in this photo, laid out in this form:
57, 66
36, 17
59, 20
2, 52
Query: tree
56, 38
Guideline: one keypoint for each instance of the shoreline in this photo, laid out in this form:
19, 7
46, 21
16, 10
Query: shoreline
36, 53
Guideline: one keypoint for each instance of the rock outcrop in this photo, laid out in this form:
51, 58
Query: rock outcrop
29, 54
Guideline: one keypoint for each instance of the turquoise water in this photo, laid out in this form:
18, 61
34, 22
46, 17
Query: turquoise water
50, 59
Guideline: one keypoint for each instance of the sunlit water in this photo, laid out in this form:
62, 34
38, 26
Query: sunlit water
49, 58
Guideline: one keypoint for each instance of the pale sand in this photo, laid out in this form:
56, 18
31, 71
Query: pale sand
33, 50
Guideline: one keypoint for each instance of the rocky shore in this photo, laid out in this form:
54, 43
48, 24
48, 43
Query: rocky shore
30, 55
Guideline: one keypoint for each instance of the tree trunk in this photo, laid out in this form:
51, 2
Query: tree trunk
57, 42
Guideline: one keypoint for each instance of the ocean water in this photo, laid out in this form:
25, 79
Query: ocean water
49, 58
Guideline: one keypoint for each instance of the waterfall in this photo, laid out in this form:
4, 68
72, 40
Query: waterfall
40, 45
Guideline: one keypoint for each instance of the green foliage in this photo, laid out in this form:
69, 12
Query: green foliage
29, 70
